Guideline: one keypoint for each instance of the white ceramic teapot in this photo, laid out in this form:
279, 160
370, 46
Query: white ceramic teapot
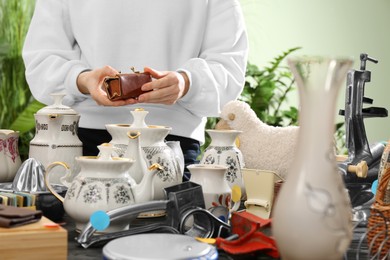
102, 184
154, 150
56, 136
9, 154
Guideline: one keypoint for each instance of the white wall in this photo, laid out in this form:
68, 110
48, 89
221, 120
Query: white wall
331, 27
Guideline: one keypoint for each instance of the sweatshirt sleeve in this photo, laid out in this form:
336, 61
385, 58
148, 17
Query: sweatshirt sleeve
218, 74
51, 55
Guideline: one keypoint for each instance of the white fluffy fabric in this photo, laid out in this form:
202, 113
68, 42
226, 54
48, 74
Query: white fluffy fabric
263, 146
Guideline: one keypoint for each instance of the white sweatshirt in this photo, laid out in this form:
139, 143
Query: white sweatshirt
204, 38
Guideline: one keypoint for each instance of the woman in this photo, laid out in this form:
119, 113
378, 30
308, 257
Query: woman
195, 50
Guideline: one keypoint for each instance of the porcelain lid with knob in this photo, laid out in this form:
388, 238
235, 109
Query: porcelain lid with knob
57, 107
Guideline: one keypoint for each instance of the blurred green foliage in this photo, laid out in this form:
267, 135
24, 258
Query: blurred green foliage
17, 106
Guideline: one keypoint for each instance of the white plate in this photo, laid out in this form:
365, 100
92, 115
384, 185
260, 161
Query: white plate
158, 246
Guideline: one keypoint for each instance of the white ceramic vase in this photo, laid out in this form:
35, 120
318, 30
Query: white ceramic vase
312, 216
223, 150
9, 155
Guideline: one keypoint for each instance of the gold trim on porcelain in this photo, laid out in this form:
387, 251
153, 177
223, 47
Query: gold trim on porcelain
92, 157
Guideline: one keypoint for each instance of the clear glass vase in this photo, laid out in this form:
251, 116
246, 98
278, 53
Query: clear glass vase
312, 216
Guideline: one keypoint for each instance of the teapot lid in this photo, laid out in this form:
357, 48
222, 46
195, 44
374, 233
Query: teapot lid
57, 107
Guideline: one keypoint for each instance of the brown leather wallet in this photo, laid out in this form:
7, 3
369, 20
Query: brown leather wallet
126, 85
11, 216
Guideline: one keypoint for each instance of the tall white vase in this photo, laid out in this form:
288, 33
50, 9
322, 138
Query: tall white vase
222, 150
312, 216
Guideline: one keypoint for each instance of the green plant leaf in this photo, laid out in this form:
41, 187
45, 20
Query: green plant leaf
26, 120
266, 90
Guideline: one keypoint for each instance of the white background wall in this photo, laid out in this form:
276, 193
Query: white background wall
331, 27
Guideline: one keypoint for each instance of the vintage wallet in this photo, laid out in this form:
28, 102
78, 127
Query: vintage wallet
11, 216
124, 86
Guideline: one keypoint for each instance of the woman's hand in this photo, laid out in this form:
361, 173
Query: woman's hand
91, 82
168, 87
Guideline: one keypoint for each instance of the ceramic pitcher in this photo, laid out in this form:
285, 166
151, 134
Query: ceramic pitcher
56, 136
154, 150
223, 151
104, 184
216, 191
9, 155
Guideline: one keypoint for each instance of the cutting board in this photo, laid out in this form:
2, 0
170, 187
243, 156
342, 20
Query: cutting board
34, 241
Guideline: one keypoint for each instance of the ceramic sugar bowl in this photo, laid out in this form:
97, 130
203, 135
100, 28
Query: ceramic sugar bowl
56, 136
103, 184
9, 154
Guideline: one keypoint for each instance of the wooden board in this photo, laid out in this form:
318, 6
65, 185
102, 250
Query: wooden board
34, 241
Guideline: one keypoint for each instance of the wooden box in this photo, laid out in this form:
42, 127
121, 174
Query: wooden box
34, 241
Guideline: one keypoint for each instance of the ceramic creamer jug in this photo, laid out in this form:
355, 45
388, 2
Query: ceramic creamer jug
9, 154
216, 191
103, 184
154, 150
56, 136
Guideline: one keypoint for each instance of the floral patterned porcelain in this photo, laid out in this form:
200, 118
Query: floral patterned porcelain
154, 150
223, 151
9, 155
56, 136
104, 184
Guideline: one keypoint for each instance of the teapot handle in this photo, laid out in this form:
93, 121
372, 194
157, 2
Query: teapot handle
62, 179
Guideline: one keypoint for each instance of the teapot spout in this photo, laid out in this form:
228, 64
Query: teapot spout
144, 190
179, 157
